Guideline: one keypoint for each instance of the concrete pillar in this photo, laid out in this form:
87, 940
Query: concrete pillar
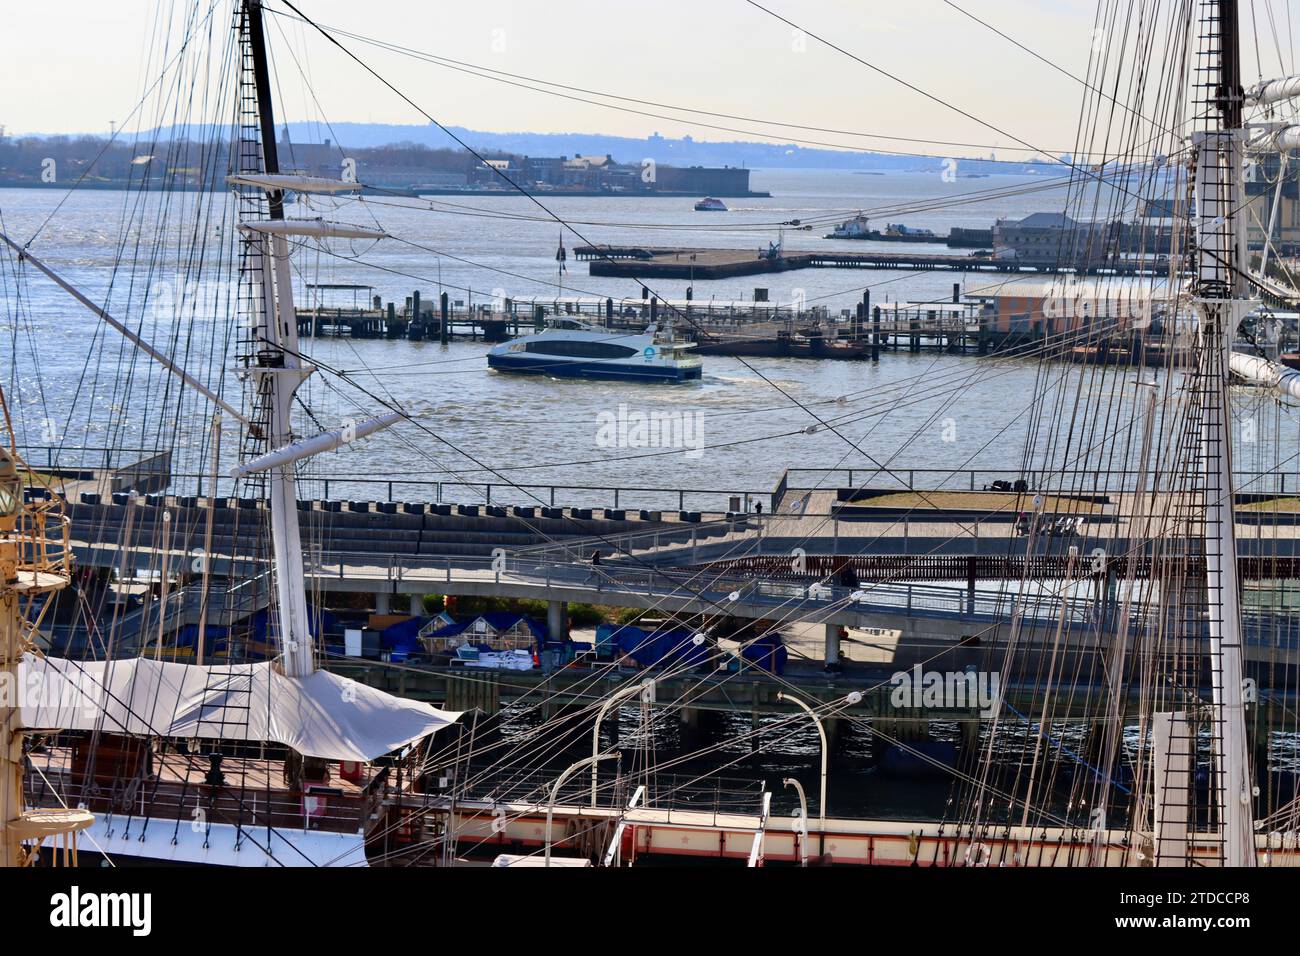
557, 620
832, 643
834, 728
382, 602
416, 606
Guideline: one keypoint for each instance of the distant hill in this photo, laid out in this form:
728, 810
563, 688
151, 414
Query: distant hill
686, 151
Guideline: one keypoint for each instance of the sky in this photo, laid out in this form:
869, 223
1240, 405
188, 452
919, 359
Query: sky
80, 65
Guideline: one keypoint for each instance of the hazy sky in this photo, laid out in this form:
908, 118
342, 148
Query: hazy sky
76, 65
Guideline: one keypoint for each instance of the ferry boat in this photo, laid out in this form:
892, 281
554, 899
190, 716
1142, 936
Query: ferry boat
709, 204
570, 349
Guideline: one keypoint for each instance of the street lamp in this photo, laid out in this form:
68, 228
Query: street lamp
821, 803
646, 689
849, 701
555, 791
803, 817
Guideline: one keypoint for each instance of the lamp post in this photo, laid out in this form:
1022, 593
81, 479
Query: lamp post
821, 803
646, 688
803, 818
851, 699
555, 791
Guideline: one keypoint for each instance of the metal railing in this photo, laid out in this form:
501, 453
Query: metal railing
1085, 480
630, 542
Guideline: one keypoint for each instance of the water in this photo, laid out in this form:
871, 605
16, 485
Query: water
73, 383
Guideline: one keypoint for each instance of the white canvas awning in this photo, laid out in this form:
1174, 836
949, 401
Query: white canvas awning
323, 715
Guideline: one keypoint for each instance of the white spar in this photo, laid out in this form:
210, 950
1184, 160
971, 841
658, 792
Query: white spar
311, 228
1273, 91
1278, 141
326, 441
300, 184
1260, 371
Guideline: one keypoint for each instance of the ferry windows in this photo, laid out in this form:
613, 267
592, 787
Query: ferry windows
580, 349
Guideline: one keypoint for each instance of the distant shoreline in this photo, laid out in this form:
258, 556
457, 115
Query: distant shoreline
401, 190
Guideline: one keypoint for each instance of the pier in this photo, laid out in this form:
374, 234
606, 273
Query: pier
656, 262
728, 327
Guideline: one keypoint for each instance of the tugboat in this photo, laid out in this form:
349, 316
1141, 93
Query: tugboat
858, 228
709, 204
567, 348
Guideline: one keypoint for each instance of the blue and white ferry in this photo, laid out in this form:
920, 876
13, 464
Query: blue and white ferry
567, 348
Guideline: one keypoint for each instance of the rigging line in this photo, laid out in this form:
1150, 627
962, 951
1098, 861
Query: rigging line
109, 142
614, 546
1056, 66
532, 198
190, 760
971, 197
1074, 167
950, 385
484, 72
814, 611
937, 390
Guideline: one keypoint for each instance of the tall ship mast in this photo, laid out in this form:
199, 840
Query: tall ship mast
35, 562
1220, 291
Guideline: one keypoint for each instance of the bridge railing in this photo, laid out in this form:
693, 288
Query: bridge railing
721, 590
1082, 481
615, 545
429, 491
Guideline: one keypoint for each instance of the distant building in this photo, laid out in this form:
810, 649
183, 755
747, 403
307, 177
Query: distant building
725, 181
1046, 307
1261, 187
437, 180
1051, 238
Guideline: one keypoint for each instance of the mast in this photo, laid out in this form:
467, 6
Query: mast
276, 367
31, 564
1220, 295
